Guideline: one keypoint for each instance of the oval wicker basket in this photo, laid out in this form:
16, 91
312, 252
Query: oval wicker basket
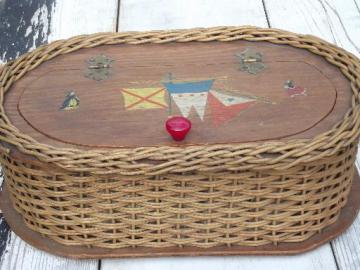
246, 194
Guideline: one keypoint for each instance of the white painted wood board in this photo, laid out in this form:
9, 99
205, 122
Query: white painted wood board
321, 259
21, 256
174, 14
78, 17
68, 18
337, 21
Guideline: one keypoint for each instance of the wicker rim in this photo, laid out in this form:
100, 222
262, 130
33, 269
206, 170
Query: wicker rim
205, 158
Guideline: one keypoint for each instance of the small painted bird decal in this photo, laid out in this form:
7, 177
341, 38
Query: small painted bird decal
293, 90
71, 101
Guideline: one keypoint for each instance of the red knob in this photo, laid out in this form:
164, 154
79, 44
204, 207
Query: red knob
178, 127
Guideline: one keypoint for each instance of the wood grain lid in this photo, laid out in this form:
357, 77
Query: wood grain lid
121, 95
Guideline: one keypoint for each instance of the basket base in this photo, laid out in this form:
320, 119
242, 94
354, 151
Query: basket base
346, 218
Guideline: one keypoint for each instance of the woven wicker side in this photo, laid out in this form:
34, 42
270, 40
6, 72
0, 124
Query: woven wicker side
248, 208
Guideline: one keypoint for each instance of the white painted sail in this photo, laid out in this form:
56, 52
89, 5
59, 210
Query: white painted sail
186, 101
229, 100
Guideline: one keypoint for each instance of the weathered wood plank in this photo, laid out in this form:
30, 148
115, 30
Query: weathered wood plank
164, 14
25, 25
4, 235
78, 17
320, 259
347, 247
4, 227
337, 21
20, 255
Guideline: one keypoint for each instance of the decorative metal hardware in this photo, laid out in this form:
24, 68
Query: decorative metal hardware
99, 67
71, 102
250, 61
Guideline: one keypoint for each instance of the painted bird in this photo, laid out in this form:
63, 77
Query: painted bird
71, 101
293, 90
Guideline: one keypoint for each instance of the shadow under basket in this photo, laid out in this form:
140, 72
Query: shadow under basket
89, 181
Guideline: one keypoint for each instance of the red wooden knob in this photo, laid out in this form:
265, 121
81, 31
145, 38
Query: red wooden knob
178, 127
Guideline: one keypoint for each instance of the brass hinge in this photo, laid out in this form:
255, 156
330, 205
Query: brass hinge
251, 61
99, 68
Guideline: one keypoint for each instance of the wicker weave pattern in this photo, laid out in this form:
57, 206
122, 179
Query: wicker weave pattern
204, 196
204, 210
206, 158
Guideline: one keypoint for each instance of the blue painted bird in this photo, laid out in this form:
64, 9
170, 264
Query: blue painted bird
71, 101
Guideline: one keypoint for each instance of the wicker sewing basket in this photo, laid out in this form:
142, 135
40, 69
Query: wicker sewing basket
212, 198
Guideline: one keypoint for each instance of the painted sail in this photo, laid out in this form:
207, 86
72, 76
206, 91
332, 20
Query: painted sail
187, 101
224, 107
228, 100
188, 95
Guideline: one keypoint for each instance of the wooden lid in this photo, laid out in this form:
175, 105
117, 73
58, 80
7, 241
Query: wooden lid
121, 95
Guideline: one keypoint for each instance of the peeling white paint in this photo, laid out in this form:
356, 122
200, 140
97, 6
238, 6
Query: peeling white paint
28, 30
36, 32
2, 57
8, 240
40, 17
